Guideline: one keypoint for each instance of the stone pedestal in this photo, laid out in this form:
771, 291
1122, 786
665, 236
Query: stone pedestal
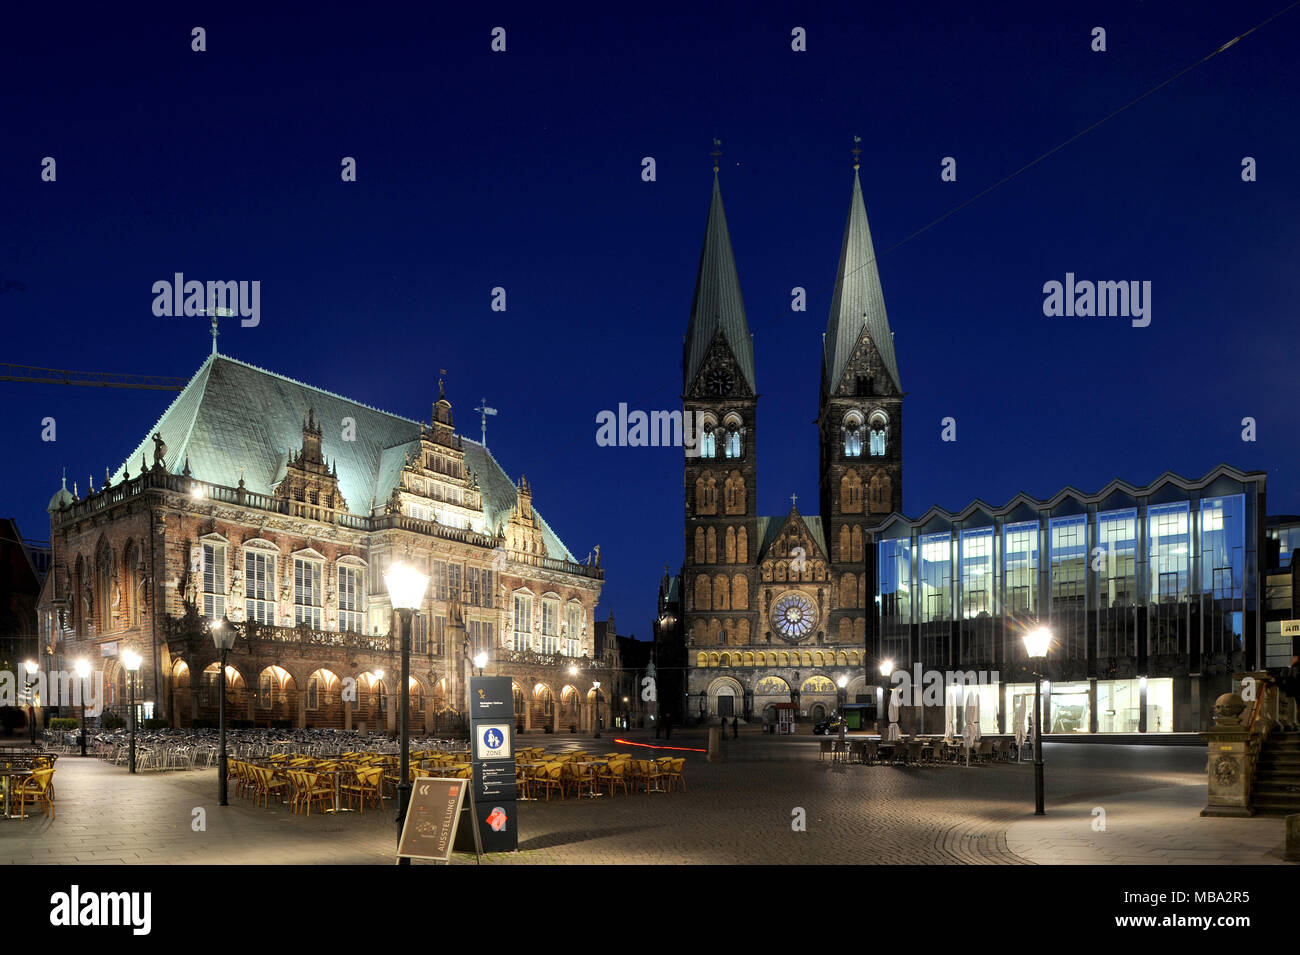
1228, 769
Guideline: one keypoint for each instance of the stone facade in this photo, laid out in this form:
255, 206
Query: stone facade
153, 561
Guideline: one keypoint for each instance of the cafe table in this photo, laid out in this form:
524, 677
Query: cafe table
591, 793
7, 775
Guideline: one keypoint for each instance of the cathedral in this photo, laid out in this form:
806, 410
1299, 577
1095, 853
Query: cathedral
773, 609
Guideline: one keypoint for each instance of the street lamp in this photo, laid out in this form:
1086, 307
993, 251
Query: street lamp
31, 667
224, 638
132, 660
841, 683
596, 686
480, 661
83, 671
1036, 644
406, 587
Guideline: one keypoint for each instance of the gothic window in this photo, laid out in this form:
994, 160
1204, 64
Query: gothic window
740, 592
731, 545
845, 545
709, 441
702, 592
856, 555
706, 494
734, 438
105, 594
130, 584
699, 545
735, 493
742, 546
879, 434
711, 546
850, 493
721, 593
880, 493
852, 429
849, 591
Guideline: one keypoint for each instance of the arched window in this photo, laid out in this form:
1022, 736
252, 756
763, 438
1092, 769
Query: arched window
734, 438
852, 429
709, 441
879, 434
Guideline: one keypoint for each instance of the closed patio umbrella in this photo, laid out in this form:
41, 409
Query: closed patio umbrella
969, 731
1020, 726
894, 700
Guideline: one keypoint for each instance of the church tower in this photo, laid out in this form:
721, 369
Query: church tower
719, 398
861, 416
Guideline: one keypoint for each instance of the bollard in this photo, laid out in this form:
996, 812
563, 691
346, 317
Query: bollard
1292, 853
715, 747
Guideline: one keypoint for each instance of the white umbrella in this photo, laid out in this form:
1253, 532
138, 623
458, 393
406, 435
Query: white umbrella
894, 700
1020, 725
969, 731
951, 729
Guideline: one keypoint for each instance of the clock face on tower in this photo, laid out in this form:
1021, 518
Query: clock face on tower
794, 617
720, 382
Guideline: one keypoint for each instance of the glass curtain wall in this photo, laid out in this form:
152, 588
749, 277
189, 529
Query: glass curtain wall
1223, 570
936, 599
978, 587
1168, 564
1117, 583
895, 583
1068, 544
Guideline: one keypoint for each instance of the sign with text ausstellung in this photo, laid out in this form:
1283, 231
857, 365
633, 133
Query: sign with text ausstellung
429, 831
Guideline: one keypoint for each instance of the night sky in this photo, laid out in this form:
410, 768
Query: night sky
522, 170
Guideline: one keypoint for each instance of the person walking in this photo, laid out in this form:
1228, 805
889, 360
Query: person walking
735, 728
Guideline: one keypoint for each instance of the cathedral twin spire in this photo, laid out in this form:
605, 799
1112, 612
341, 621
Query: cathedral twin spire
858, 304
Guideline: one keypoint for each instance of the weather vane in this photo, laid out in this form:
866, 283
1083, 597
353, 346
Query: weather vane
717, 152
856, 150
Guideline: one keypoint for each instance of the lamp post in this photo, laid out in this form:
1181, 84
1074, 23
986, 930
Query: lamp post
480, 661
886, 670
31, 667
224, 639
83, 671
841, 696
406, 587
1036, 644
132, 660
596, 687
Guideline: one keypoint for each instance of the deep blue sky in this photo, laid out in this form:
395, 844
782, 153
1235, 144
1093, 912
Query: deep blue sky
522, 170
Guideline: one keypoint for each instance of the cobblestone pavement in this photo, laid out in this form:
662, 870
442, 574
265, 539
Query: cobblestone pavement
736, 812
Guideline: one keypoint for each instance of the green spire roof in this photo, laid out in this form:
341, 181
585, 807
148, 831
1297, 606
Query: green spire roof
718, 305
858, 303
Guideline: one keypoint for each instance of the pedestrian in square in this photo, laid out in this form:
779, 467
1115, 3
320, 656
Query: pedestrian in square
735, 728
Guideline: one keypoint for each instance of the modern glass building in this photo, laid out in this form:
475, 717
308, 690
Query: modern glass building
1151, 594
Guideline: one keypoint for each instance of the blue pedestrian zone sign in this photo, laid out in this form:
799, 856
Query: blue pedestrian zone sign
493, 741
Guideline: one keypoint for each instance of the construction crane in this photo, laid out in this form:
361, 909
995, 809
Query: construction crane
92, 379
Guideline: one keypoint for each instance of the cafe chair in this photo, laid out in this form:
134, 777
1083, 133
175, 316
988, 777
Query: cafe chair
38, 789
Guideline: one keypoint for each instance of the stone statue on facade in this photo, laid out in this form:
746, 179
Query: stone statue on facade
159, 452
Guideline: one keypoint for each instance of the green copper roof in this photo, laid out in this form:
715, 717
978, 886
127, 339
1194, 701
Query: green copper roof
718, 304
859, 302
233, 415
